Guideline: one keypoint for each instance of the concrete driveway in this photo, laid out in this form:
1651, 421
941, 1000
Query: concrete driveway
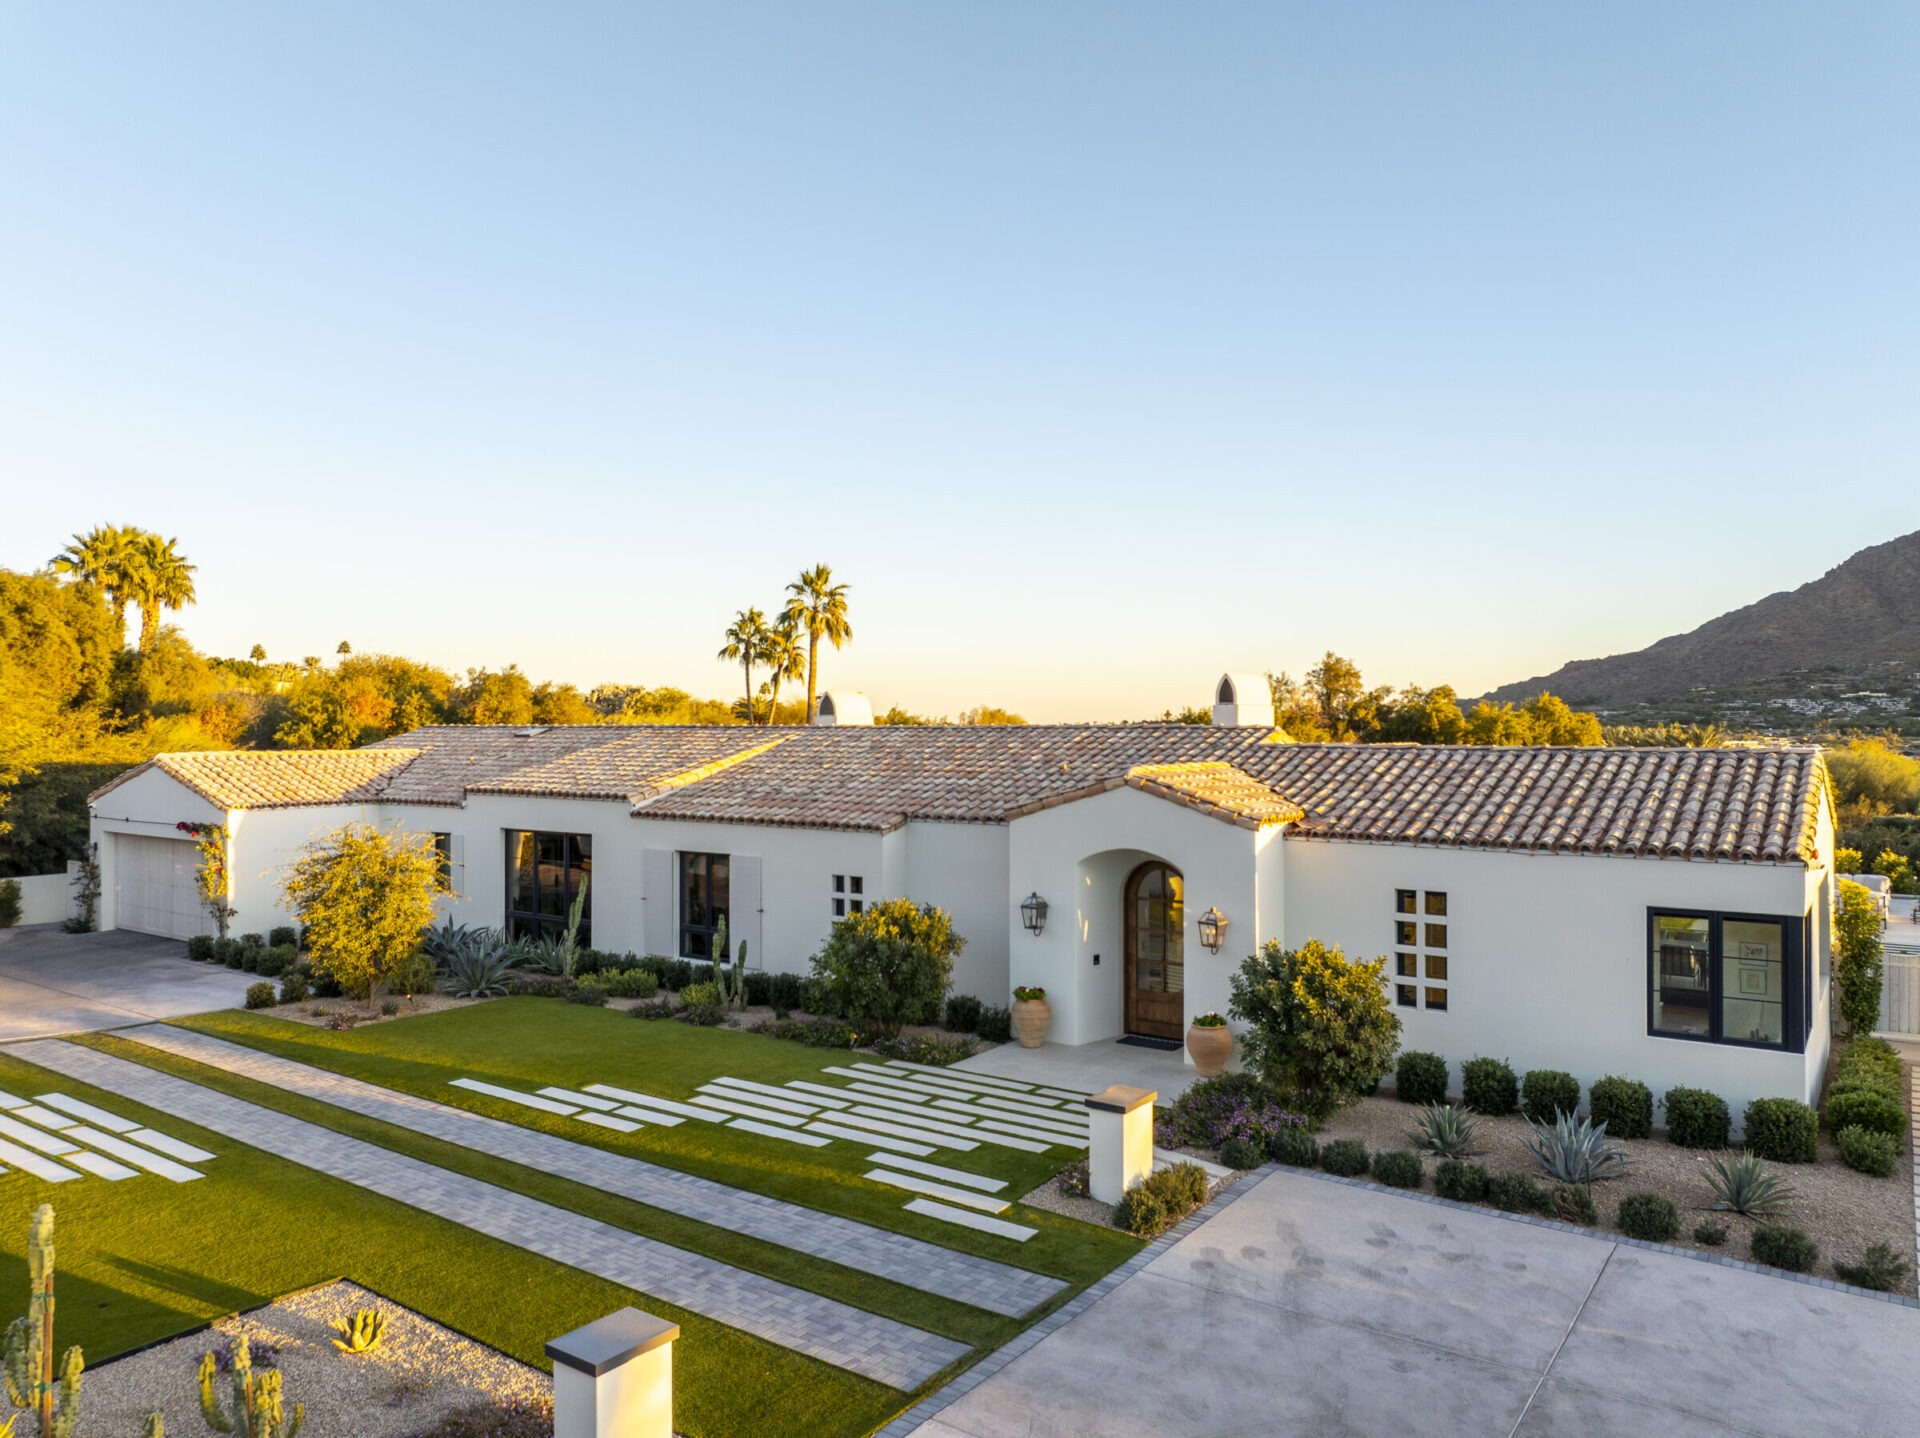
52, 982
1316, 1308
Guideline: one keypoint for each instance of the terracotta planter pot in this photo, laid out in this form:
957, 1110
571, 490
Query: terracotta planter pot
1209, 1048
1031, 1020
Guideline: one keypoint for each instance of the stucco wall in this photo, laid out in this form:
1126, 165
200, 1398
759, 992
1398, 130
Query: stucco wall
963, 869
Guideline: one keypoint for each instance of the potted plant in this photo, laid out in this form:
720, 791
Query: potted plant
1209, 1043
1032, 1016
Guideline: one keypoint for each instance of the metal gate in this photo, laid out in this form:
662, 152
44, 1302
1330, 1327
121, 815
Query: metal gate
1900, 990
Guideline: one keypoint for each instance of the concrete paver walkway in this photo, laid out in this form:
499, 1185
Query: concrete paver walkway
879, 1348
997, 1287
1318, 1308
1088, 1067
53, 982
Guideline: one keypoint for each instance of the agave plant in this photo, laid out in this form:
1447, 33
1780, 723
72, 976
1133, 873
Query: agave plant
1576, 1152
1744, 1184
1444, 1130
445, 940
478, 969
547, 955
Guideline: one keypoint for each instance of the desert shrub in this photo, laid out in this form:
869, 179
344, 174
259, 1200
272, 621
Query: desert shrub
1443, 1130
1780, 1247
1161, 1199
254, 943
962, 1013
937, 1049
1782, 1129
341, 1019
1295, 1146
200, 948
1710, 1233
1624, 1105
785, 991
1650, 1217
1461, 1181
1575, 1150
283, 936
294, 986
700, 1004
412, 975
1398, 1168
1346, 1157
1320, 1031
1743, 1183
540, 986
814, 1033
634, 983
593, 992
661, 1008
996, 1024
889, 965
278, 959
1868, 1064
1696, 1118
1233, 1105
1515, 1193
1869, 1152
325, 985
1488, 1086
390, 1007
227, 951
1546, 1092
10, 903
366, 898
1142, 1212
1420, 1078
512, 1419
1879, 1268
261, 995
1871, 1111
1242, 1153
1572, 1203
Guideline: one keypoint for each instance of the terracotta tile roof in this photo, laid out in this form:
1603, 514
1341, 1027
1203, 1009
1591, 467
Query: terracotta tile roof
640, 761
278, 779
457, 757
1217, 790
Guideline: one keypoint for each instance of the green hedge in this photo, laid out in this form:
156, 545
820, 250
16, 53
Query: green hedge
1547, 1093
1697, 1119
1782, 1130
1624, 1105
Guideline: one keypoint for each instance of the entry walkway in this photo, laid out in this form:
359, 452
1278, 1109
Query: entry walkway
1089, 1067
997, 1287
865, 1343
1310, 1307
53, 982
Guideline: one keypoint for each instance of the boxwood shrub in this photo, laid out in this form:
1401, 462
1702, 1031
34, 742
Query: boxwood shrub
1624, 1105
1782, 1130
1515, 1192
1295, 1146
1650, 1217
1489, 1086
1697, 1119
261, 995
1457, 1179
1874, 1112
281, 934
1161, 1199
1242, 1153
1545, 1093
962, 1013
1869, 1152
200, 948
1781, 1247
1346, 1157
1398, 1168
1420, 1078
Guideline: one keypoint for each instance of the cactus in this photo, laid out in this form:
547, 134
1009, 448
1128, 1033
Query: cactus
362, 1333
156, 1427
29, 1345
257, 1402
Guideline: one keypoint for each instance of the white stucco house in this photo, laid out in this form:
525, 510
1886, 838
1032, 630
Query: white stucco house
1663, 914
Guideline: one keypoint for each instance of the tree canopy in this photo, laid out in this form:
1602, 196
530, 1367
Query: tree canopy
1334, 705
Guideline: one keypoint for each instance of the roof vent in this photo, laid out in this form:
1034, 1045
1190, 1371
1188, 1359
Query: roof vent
1242, 699
537, 729
843, 706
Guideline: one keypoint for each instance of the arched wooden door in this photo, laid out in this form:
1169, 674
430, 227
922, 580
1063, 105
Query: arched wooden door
1156, 951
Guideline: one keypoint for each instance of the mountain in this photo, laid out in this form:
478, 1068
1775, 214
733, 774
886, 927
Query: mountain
1857, 626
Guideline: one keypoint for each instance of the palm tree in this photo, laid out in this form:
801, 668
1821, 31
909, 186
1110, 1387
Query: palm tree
103, 557
746, 646
819, 607
161, 580
784, 658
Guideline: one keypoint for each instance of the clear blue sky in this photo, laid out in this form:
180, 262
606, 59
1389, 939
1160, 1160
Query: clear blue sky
1101, 347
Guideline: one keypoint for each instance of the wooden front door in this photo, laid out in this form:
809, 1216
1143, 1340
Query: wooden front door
1156, 955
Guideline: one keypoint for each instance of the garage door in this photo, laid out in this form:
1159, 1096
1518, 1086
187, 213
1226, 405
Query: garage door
155, 890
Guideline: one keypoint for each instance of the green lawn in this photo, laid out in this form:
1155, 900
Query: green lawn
162, 1257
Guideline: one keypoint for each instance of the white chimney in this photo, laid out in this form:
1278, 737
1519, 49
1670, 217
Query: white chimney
1243, 699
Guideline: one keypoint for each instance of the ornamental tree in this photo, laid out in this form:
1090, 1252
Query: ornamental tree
1856, 958
888, 966
365, 897
1322, 1033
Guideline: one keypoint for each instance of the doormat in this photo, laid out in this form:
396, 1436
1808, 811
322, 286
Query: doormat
1141, 1041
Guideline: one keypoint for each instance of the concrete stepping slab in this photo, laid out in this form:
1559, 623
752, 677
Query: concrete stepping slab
30, 1162
171, 1147
103, 1167
1064, 1095
898, 1105
583, 1100
8, 1100
1041, 1136
810, 1140
836, 1097
975, 1135
1163, 1159
647, 1115
784, 1105
874, 1085
647, 1100
900, 1130
45, 1117
618, 1125
34, 1138
918, 1083
945, 1175
964, 1076
765, 1115
98, 1117
898, 1145
887, 1093
748, 1086
1026, 1107
132, 1153
1032, 1120
913, 1183
965, 1218
526, 1100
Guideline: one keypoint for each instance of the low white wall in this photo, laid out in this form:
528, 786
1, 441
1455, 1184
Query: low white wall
46, 898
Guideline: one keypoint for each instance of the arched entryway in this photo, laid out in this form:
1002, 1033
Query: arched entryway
1155, 980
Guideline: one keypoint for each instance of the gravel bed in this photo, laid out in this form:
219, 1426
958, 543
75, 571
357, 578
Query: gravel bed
1842, 1210
317, 1013
420, 1372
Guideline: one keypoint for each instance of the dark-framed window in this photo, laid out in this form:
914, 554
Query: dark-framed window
443, 850
1726, 978
545, 873
703, 902
843, 885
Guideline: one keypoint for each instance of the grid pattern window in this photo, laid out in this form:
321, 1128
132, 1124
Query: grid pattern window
545, 874
703, 902
849, 892
1420, 948
1726, 978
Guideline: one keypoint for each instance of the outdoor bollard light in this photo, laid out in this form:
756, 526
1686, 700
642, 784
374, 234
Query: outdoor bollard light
1033, 913
1213, 930
614, 1378
1120, 1140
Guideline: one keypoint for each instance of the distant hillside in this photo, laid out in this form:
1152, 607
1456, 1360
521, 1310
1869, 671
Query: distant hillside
1857, 626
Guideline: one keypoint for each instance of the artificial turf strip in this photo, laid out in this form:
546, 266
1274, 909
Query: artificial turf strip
530, 1043
144, 1260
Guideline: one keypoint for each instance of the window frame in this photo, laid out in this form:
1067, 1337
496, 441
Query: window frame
1793, 959
531, 923
682, 926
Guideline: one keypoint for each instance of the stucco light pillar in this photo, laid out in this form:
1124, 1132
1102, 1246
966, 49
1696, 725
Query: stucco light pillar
614, 1378
1119, 1140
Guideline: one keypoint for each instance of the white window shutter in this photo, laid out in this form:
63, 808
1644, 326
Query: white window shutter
743, 907
656, 876
457, 850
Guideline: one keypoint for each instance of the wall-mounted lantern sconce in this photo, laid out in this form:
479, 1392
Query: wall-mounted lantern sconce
1213, 930
1033, 913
